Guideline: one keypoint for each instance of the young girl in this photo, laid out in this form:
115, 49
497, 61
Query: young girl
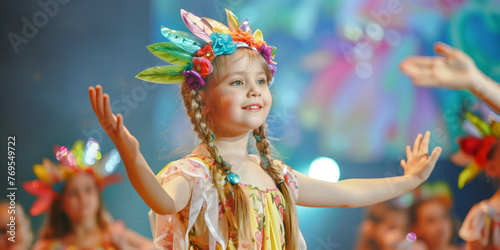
71, 192
220, 196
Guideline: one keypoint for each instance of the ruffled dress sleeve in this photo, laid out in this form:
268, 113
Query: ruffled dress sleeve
173, 231
482, 223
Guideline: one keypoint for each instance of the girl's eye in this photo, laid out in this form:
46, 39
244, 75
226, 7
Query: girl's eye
237, 83
261, 82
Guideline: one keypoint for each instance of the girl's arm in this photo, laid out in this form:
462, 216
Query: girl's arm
365, 192
167, 199
455, 70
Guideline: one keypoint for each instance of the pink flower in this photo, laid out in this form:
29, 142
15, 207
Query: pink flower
258, 236
277, 199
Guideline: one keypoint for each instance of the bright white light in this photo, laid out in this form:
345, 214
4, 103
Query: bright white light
325, 169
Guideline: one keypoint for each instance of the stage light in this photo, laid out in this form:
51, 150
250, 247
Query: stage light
324, 168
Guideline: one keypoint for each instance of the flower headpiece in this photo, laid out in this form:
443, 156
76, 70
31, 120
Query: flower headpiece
82, 158
191, 54
474, 148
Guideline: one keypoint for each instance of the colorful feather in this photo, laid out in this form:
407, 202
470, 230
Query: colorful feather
198, 26
245, 26
217, 26
471, 171
170, 52
232, 21
163, 74
483, 127
257, 36
183, 40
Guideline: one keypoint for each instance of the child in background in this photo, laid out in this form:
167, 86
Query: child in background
430, 216
22, 237
220, 196
71, 194
385, 227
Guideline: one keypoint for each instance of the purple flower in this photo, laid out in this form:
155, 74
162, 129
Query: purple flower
272, 68
193, 79
266, 52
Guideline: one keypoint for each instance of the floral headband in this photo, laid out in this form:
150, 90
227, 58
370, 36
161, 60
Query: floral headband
192, 54
474, 148
82, 158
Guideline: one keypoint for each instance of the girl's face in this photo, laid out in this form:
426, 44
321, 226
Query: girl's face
80, 198
240, 101
433, 224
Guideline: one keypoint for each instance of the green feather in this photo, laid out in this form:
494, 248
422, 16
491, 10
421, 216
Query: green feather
162, 74
170, 52
273, 52
482, 126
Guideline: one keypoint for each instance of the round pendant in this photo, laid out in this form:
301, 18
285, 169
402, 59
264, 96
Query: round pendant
233, 178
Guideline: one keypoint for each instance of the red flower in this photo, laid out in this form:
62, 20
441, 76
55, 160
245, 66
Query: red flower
207, 52
202, 66
243, 36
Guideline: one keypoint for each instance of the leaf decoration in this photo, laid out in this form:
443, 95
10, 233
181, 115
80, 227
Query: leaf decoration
245, 26
162, 74
217, 26
232, 21
257, 36
183, 40
482, 126
198, 26
170, 53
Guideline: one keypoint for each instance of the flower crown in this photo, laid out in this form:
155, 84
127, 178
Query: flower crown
192, 54
82, 158
474, 148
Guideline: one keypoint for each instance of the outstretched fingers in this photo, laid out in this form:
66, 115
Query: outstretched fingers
92, 98
109, 117
424, 147
99, 101
435, 155
444, 49
416, 144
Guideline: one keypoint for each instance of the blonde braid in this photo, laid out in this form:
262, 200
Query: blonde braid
240, 221
267, 162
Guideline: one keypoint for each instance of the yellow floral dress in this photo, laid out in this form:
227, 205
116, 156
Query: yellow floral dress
203, 223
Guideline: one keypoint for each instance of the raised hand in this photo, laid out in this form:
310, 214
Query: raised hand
126, 143
455, 70
418, 163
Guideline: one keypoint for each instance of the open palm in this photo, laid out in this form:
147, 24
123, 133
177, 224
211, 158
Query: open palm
418, 163
126, 143
455, 70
